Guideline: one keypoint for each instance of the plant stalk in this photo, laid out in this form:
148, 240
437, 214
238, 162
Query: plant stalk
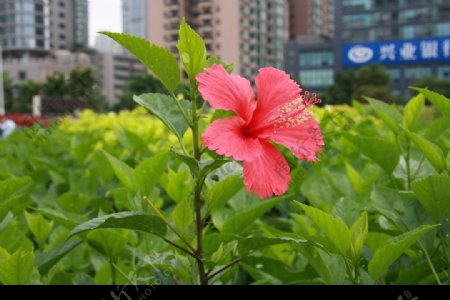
203, 277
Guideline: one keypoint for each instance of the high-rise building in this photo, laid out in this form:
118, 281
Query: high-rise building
25, 26
42, 37
69, 24
40, 26
248, 33
134, 17
410, 38
114, 71
310, 18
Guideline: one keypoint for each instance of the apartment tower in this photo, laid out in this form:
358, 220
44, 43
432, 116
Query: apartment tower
248, 33
39, 26
311, 18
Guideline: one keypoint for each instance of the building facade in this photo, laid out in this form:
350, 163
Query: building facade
39, 68
42, 37
25, 26
134, 17
409, 38
248, 33
37, 27
310, 18
114, 71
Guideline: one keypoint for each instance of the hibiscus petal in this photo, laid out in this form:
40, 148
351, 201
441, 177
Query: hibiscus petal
226, 138
227, 91
304, 140
268, 174
275, 88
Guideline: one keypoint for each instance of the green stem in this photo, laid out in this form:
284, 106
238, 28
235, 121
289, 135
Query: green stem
198, 189
113, 272
232, 263
430, 263
357, 275
408, 167
349, 271
177, 103
418, 168
159, 213
445, 248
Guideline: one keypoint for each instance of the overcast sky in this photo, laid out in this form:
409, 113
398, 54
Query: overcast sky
104, 15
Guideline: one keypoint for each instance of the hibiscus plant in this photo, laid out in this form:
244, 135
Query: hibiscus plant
249, 132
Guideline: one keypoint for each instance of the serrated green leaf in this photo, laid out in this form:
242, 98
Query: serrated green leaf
109, 243
432, 152
447, 161
12, 192
392, 249
182, 215
63, 218
123, 171
441, 102
388, 113
335, 230
39, 226
192, 50
434, 195
14, 188
163, 108
359, 231
207, 167
249, 245
241, 220
413, 110
124, 220
17, 268
45, 261
214, 60
191, 162
148, 172
224, 190
217, 256
384, 153
178, 185
157, 59
356, 179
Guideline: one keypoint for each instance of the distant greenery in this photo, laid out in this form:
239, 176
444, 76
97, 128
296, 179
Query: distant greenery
81, 84
137, 85
441, 86
140, 84
371, 81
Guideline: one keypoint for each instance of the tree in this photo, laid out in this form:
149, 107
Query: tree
25, 92
84, 85
438, 85
371, 81
55, 86
137, 85
7, 91
342, 89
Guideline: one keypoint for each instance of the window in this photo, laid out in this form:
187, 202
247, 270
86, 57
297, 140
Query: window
443, 29
444, 72
394, 74
316, 59
359, 4
361, 20
316, 78
417, 72
22, 75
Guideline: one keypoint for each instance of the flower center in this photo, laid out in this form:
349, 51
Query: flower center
294, 113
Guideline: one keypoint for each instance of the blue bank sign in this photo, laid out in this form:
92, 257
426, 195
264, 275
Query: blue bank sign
401, 51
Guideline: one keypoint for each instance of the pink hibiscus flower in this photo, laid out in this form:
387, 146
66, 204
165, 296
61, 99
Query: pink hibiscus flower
279, 116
